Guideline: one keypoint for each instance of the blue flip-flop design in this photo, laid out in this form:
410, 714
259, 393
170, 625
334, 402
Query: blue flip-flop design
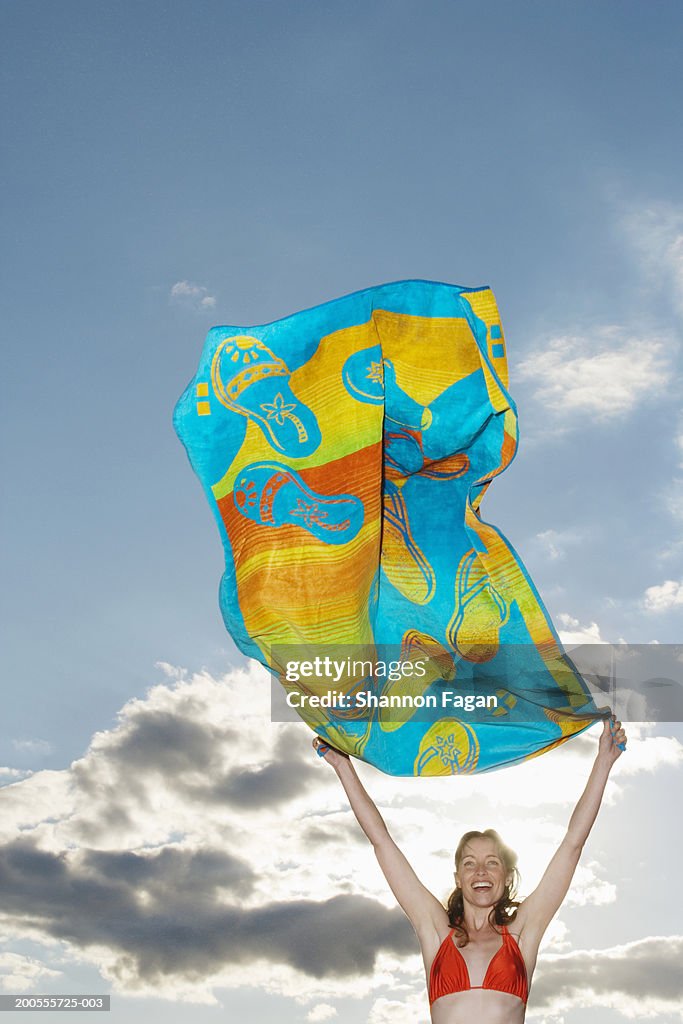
272, 494
251, 380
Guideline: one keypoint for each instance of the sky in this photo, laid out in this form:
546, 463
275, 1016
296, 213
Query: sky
168, 167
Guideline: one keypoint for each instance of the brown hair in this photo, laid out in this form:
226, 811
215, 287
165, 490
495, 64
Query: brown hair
505, 910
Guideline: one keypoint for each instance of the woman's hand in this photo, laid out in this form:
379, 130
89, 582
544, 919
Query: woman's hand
612, 742
330, 754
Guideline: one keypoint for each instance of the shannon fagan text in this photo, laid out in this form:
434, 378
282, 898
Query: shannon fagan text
368, 699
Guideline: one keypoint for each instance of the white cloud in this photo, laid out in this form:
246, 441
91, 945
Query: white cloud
20, 973
588, 889
664, 596
389, 974
44, 796
655, 232
604, 375
12, 774
554, 543
556, 938
572, 632
671, 553
674, 499
321, 1011
640, 979
410, 1009
649, 753
195, 296
34, 747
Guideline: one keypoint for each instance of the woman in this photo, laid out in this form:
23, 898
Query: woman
480, 954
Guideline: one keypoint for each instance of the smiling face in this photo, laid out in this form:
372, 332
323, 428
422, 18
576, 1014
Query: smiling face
481, 873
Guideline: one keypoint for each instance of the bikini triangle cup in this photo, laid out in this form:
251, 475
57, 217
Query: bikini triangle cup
506, 971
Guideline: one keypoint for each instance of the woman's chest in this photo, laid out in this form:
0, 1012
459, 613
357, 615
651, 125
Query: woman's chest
477, 956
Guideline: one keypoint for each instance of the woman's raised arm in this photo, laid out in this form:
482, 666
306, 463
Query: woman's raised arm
537, 911
422, 908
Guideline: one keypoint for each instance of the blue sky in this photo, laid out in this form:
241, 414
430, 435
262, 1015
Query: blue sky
169, 166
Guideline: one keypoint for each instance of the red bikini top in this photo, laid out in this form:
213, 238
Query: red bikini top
506, 971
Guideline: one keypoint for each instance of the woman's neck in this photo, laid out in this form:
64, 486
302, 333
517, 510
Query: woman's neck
476, 919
